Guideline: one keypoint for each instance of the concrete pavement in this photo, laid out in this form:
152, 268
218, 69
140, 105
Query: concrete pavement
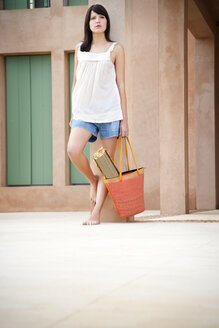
57, 273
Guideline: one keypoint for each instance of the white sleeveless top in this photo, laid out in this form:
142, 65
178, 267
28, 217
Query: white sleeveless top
95, 96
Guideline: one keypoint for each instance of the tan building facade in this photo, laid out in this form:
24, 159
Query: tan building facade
172, 79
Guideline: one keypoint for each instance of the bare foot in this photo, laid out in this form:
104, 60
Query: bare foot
94, 218
93, 190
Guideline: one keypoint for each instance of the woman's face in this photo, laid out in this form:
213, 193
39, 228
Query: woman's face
98, 23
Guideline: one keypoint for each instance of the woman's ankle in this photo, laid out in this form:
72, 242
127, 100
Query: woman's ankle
96, 211
94, 180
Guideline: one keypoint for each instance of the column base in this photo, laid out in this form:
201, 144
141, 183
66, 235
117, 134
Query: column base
109, 214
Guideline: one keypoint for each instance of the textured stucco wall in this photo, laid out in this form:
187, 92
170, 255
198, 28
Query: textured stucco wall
157, 103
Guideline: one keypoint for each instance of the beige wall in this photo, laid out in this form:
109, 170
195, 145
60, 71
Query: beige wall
41, 30
54, 30
154, 35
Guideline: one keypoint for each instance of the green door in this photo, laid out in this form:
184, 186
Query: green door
77, 2
41, 119
18, 120
15, 4
29, 120
76, 177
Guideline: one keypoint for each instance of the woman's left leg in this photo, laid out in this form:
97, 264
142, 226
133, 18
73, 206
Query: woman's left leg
110, 145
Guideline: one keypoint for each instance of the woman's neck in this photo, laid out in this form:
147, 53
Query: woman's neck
99, 39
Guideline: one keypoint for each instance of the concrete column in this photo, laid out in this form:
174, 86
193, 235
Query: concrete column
2, 124
144, 90
191, 122
205, 124
217, 114
58, 118
173, 97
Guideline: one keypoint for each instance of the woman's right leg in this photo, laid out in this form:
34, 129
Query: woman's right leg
77, 141
110, 145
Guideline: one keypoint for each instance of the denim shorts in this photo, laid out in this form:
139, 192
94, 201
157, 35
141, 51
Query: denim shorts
107, 130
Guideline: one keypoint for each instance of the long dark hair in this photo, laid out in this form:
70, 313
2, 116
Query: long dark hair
88, 37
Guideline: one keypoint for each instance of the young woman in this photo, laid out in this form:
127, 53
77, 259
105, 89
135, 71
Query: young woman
98, 100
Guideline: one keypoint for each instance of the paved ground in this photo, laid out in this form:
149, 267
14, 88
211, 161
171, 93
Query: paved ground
57, 273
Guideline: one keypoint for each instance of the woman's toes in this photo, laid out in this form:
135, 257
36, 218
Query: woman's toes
91, 222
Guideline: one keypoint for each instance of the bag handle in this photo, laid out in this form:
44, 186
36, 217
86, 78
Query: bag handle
126, 152
120, 159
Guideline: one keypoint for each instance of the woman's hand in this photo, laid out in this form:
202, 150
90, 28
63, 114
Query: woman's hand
124, 128
70, 123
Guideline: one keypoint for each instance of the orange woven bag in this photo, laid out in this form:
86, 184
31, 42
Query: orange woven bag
127, 190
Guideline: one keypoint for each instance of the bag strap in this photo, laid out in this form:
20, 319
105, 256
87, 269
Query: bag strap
119, 143
126, 151
120, 161
127, 156
117, 147
133, 155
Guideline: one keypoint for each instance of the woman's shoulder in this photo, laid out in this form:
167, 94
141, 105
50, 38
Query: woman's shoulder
118, 46
77, 46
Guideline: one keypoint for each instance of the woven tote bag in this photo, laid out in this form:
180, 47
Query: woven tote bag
127, 190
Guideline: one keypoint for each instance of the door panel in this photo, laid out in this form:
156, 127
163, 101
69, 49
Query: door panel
29, 120
41, 119
15, 4
77, 2
18, 120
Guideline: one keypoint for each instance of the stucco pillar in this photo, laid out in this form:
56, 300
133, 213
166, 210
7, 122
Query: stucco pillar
191, 122
58, 108
217, 114
144, 91
173, 98
58, 117
2, 124
205, 124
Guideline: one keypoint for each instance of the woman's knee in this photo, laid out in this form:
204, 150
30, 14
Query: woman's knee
73, 151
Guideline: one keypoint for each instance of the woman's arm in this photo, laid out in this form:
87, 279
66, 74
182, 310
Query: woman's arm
74, 79
120, 80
